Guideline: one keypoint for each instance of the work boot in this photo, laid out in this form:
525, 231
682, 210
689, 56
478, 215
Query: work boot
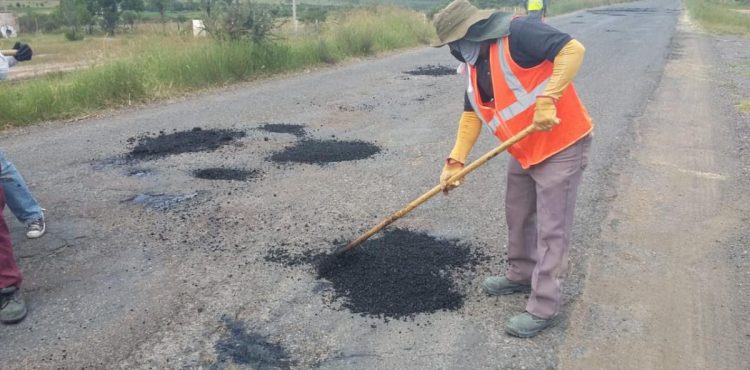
527, 325
12, 306
500, 285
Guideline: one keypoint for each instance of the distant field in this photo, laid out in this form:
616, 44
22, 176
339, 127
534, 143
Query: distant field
15, 5
724, 16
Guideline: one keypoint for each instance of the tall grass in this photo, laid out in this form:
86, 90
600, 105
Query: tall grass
178, 65
724, 16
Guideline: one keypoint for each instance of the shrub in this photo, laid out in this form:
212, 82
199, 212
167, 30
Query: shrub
73, 35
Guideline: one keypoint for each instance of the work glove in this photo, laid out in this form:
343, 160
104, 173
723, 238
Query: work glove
450, 168
545, 113
24, 52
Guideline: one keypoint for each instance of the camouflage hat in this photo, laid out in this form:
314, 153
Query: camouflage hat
454, 21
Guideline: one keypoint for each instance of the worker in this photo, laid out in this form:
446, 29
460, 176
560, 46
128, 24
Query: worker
519, 71
12, 304
18, 196
536, 8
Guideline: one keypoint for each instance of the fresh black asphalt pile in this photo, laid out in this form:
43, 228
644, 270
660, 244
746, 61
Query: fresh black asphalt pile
284, 128
325, 151
195, 140
245, 348
397, 275
432, 70
221, 173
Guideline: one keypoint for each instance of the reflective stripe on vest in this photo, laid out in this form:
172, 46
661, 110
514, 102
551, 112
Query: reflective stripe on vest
515, 90
524, 99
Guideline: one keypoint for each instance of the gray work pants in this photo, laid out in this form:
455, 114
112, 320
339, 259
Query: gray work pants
539, 207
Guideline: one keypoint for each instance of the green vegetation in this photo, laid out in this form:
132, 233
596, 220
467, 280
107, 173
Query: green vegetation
179, 64
566, 6
744, 106
724, 16
154, 55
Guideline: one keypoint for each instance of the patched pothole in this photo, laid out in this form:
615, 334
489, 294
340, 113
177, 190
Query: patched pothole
242, 347
221, 173
284, 128
149, 146
140, 172
432, 70
325, 151
160, 201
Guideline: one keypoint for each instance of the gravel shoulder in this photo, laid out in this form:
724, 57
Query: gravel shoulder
667, 287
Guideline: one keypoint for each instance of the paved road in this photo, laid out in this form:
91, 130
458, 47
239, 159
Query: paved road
115, 284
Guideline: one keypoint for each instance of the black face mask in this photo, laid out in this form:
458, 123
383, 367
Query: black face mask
453, 46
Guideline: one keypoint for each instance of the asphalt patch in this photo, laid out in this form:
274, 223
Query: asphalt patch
160, 201
325, 151
432, 70
397, 275
148, 146
284, 128
221, 173
251, 349
139, 172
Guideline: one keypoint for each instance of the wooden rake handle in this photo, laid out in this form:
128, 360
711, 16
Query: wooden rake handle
417, 202
8, 53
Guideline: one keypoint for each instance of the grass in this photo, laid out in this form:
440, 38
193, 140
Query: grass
722, 16
744, 106
566, 6
156, 61
140, 68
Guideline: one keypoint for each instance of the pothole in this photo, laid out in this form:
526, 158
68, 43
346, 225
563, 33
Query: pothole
242, 347
160, 201
284, 128
195, 140
325, 151
363, 107
221, 173
432, 70
140, 172
397, 275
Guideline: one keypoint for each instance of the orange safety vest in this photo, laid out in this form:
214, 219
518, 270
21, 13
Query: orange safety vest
512, 110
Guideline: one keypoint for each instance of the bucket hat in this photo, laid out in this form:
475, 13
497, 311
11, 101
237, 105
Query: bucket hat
453, 22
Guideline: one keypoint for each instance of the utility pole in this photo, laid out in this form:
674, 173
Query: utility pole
294, 15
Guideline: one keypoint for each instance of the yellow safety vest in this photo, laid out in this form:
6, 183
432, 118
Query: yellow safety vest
535, 5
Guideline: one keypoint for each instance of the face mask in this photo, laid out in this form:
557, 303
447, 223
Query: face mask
453, 46
465, 51
469, 50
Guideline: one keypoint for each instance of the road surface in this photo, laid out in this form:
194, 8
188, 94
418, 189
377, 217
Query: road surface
659, 263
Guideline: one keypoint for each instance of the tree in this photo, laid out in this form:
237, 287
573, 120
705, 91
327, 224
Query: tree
130, 17
161, 7
110, 12
181, 19
134, 5
207, 4
75, 15
241, 21
94, 9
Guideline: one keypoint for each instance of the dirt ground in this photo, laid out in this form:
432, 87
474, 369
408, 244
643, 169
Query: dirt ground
668, 289
147, 266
